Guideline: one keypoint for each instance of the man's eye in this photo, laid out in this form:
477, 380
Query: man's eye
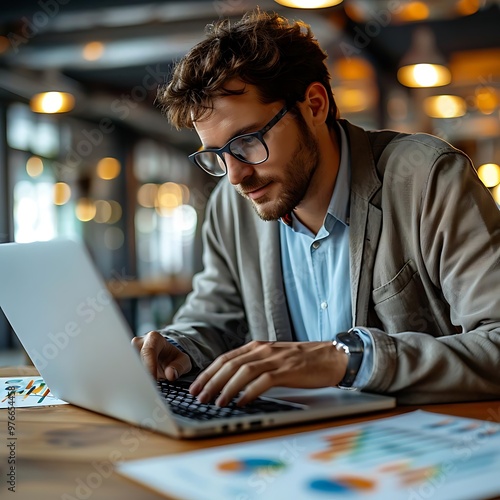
248, 140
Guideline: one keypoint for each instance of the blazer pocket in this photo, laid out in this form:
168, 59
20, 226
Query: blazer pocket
396, 285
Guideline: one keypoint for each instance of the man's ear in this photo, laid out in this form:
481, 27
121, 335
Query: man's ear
316, 100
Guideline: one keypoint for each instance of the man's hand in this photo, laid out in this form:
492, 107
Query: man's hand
258, 366
161, 358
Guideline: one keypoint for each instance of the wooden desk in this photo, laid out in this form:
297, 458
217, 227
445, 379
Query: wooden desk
64, 452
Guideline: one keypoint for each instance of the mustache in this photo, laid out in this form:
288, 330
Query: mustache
253, 184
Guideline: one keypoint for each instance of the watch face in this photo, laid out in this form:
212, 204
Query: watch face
351, 340
354, 347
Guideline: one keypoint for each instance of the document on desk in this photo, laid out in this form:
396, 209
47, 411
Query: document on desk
24, 392
418, 455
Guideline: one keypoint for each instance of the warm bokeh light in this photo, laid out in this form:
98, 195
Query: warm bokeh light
62, 193
467, 7
352, 68
496, 194
34, 166
52, 102
445, 106
103, 211
489, 173
93, 51
413, 11
169, 197
355, 12
308, 4
351, 100
424, 75
108, 168
85, 209
116, 212
146, 195
486, 100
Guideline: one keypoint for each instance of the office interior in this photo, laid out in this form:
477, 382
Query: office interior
86, 153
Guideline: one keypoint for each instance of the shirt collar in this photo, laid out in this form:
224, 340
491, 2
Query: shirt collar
339, 202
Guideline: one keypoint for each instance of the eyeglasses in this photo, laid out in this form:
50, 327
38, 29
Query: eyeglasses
248, 148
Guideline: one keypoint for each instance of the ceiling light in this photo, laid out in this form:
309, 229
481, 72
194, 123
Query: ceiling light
445, 106
467, 7
413, 11
422, 66
309, 4
489, 173
496, 194
52, 102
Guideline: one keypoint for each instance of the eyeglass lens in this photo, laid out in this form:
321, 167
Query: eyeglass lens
247, 148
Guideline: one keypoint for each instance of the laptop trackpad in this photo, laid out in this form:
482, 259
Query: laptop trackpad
316, 398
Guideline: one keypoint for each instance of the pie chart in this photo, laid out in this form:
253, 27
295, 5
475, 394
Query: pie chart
251, 465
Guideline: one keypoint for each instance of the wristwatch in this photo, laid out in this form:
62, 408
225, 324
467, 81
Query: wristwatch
352, 344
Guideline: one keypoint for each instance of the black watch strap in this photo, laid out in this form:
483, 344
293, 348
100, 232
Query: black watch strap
352, 344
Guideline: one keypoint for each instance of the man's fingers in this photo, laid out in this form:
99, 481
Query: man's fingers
149, 356
137, 343
245, 374
160, 357
178, 366
261, 384
239, 366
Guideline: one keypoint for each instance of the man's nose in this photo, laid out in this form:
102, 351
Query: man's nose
237, 171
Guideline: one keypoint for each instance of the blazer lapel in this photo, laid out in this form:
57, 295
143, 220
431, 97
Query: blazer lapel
365, 221
275, 304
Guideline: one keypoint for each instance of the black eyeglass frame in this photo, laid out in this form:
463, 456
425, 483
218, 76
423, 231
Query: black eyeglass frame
227, 147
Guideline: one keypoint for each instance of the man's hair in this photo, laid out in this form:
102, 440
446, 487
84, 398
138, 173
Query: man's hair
281, 59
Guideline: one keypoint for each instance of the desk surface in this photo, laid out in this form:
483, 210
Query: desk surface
66, 452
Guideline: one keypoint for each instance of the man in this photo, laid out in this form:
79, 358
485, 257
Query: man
332, 255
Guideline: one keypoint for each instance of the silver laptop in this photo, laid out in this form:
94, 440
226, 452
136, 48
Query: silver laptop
77, 338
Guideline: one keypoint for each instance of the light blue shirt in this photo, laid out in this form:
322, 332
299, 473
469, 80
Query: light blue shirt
316, 270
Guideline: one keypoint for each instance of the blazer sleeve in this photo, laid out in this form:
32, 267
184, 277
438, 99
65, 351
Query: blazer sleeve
458, 234
212, 320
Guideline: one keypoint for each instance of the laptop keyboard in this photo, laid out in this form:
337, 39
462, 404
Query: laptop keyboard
182, 403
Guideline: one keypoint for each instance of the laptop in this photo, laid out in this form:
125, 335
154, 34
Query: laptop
75, 334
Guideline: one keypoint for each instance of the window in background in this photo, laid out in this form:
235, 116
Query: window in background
165, 221
170, 203
42, 206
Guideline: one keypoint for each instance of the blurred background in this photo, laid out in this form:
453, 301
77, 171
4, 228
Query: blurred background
86, 153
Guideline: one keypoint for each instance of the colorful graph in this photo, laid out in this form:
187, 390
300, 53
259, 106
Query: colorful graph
27, 391
252, 466
343, 484
416, 455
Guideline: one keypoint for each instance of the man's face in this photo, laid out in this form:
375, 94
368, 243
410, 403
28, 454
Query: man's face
278, 185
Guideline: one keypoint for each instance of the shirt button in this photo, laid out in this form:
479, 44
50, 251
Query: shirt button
316, 245
324, 305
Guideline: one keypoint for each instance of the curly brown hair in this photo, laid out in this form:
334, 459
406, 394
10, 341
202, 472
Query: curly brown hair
279, 57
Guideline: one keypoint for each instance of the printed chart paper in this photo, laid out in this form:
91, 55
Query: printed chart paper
418, 455
27, 391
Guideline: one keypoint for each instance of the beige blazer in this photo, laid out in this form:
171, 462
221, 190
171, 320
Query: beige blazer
425, 271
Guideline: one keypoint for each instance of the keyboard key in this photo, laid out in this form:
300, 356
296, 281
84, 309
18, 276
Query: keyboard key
182, 403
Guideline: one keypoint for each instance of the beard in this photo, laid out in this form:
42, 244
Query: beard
299, 173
